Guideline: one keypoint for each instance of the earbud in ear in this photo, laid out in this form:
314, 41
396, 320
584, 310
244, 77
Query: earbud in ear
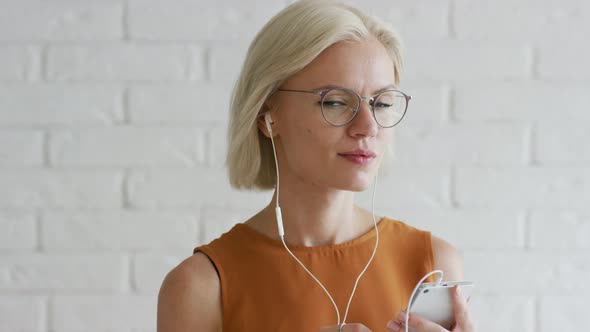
268, 120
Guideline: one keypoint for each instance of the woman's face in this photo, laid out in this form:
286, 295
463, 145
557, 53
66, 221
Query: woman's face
312, 150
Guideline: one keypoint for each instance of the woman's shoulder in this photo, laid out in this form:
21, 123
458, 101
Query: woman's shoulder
190, 297
197, 273
445, 256
198, 268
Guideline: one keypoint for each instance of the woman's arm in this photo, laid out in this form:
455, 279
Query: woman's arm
448, 259
190, 297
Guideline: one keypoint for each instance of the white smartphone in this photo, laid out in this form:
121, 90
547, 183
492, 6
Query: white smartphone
435, 303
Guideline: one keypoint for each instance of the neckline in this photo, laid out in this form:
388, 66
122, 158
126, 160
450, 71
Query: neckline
279, 244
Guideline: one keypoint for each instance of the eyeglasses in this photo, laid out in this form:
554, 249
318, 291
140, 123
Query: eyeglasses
340, 105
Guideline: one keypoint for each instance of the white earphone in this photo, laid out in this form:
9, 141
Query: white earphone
268, 120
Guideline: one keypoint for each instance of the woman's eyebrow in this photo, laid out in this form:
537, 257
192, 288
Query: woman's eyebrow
330, 86
333, 86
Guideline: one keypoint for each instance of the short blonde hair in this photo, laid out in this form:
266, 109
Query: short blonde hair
286, 44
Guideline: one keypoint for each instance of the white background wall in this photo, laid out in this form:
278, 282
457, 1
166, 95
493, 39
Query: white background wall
112, 139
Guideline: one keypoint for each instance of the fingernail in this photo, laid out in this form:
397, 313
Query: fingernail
458, 290
393, 326
401, 316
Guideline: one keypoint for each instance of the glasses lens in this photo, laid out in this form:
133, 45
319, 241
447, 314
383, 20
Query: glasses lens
339, 106
389, 108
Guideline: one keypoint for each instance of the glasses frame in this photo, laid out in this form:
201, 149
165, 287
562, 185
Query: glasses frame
324, 92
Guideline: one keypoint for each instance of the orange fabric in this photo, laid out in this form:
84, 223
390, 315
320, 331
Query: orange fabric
264, 289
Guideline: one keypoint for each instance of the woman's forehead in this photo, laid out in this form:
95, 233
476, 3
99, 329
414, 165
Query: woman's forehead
349, 64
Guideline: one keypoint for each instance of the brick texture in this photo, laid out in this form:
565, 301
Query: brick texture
113, 119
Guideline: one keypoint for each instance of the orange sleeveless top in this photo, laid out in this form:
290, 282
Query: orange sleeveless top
264, 289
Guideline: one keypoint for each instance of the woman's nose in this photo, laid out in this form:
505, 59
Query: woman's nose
364, 123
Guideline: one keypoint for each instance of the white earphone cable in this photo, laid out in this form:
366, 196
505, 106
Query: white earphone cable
374, 250
281, 234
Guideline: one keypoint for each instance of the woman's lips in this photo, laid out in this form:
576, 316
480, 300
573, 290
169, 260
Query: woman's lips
359, 159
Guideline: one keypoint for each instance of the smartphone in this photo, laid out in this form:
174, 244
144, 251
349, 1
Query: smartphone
435, 303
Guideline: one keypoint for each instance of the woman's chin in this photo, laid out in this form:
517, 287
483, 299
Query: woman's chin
358, 185
360, 188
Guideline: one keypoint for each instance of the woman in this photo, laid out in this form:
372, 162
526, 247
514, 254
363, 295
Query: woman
314, 109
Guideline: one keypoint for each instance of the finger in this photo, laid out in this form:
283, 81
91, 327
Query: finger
461, 311
355, 327
419, 324
394, 326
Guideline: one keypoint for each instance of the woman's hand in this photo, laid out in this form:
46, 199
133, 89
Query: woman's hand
348, 327
463, 322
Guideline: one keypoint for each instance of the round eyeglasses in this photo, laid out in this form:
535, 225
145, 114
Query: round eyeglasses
340, 105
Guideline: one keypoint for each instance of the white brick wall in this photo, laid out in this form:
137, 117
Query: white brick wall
112, 141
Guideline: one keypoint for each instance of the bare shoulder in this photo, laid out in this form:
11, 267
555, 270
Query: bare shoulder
190, 297
447, 258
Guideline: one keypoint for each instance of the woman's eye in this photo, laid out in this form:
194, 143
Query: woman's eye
383, 105
333, 103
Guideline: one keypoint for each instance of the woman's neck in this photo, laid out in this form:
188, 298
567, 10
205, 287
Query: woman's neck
314, 218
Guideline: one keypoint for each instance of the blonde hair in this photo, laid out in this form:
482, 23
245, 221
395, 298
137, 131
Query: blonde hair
286, 44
